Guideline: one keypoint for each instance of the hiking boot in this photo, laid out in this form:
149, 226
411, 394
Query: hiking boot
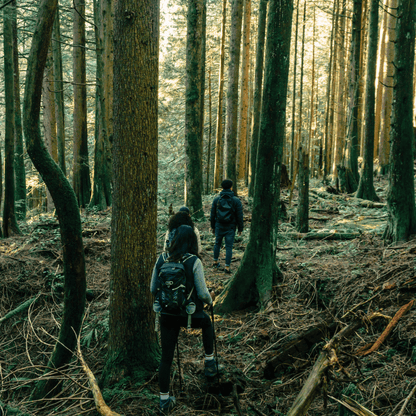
211, 368
227, 271
216, 265
165, 406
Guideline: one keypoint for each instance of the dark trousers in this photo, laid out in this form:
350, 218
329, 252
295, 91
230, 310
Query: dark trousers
226, 232
169, 331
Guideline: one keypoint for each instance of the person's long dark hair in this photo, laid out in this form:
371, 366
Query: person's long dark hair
180, 218
183, 242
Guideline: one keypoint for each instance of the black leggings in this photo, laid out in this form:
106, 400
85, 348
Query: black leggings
169, 331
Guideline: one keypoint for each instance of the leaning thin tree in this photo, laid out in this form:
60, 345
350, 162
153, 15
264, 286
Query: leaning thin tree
253, 281
64, 199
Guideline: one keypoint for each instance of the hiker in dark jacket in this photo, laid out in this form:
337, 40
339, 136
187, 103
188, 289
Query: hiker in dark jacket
226, 217
183, 248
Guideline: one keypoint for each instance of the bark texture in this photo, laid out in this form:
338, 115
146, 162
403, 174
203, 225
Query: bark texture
64, 199
401, 221
81, 169
10, 225
132, 347
366, 186
195, 70
253, 281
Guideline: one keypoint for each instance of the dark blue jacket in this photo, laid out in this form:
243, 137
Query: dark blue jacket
238, 211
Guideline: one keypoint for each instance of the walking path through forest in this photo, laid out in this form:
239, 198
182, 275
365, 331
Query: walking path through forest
327, 283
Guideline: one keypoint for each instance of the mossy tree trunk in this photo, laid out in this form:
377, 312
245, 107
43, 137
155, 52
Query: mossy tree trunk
132, 346
19, 162
10, 225
230, 145
254, 278
101, 193
366, 186
64, 198
352, 150
401, 221
195, 75
81, 170
59, 92
258, 81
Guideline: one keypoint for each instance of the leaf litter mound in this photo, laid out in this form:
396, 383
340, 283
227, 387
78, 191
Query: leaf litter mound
268, 355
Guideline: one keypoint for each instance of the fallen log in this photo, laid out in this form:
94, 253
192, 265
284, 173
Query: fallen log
326, 359
19, 309
354, 406
297, 346
321, 236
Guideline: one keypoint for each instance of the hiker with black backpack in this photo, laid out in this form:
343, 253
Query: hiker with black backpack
226, 217
182, 217
180, 291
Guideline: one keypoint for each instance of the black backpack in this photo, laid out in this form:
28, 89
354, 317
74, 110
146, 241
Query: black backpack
225, 209
172, 294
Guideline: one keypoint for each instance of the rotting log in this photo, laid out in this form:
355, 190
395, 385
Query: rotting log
327, 358
297, 347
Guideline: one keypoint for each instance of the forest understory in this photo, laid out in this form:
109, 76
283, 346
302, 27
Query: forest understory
339, 272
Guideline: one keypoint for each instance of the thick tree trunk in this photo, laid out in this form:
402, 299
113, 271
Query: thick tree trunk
401, 221
244, 101
81, 169
366, 186
219, 131
19, 162
230, 148
101, 194
59, 92
258, 81
208, 185
195, 70
64, 199
133, 347
253, 281
9, 216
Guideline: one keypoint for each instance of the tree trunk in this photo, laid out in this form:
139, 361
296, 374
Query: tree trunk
293, 146
81, 169
219, 131
381, 65
254, 278
207, 188
49, 119
64, 199
9, 216
19, 162
244, 101
351, 154
401, 221
59, 92
258, 81
386, 106
230, 148
302, 214
101, 195
132, 346
340, 134
195, 70
366, 186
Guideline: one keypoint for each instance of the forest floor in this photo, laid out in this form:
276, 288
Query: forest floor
327, 282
